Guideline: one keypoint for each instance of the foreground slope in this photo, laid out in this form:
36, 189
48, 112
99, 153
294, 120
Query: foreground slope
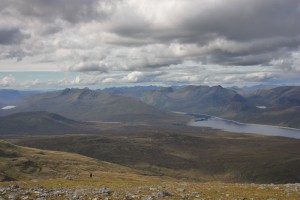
145, 189
109, 181
21, 163
198, 154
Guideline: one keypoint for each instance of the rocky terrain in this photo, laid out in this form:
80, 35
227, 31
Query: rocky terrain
97, 188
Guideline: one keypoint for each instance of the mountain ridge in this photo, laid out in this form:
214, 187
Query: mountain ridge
39, 123
274, 106
88, 105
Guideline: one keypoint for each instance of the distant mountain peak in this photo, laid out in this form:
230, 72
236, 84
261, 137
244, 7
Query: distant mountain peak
66, 91
79, 93
218, 87
86, 93
168, 89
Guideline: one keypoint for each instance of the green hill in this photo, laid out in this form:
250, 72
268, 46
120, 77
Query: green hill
40, 123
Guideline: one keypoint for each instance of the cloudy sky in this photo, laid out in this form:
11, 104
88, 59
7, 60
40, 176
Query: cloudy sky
103, 43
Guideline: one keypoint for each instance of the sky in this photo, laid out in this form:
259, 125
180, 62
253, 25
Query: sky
103, 43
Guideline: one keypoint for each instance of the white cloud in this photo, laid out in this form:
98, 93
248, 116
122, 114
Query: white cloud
134, 77
7, 81
77, 80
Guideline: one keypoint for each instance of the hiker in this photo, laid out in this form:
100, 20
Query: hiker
91, 175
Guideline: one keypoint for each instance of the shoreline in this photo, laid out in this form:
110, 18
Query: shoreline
235, 126
237, 122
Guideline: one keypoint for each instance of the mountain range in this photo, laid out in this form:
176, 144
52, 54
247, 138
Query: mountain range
196, 99
275, 106
89, 105
11, 96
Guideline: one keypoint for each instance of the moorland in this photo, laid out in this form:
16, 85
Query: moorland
131, 138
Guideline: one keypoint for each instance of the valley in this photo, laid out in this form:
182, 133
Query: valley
149, 100
133, 139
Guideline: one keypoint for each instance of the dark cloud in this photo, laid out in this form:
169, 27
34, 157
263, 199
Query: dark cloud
9, 36
50, 29
158, 63
73, 11
258, 53
89, 67
140, 36
243, 20
15, 54
262, 27
239, 20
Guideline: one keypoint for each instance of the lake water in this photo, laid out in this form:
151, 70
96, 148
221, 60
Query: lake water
8, 107
232, 126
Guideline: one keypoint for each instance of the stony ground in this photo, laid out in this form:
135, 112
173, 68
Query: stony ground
96, 189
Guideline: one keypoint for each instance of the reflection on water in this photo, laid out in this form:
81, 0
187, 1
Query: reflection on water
232, 126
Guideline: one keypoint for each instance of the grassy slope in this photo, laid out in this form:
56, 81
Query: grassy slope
27, 163
208, 155
272, 159
21, 163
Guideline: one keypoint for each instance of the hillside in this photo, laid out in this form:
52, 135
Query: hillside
40, 123
214, 100
279, 106
197, 154
58, 175
276, 97
275, 106
21, 163
11, 96
88, 105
